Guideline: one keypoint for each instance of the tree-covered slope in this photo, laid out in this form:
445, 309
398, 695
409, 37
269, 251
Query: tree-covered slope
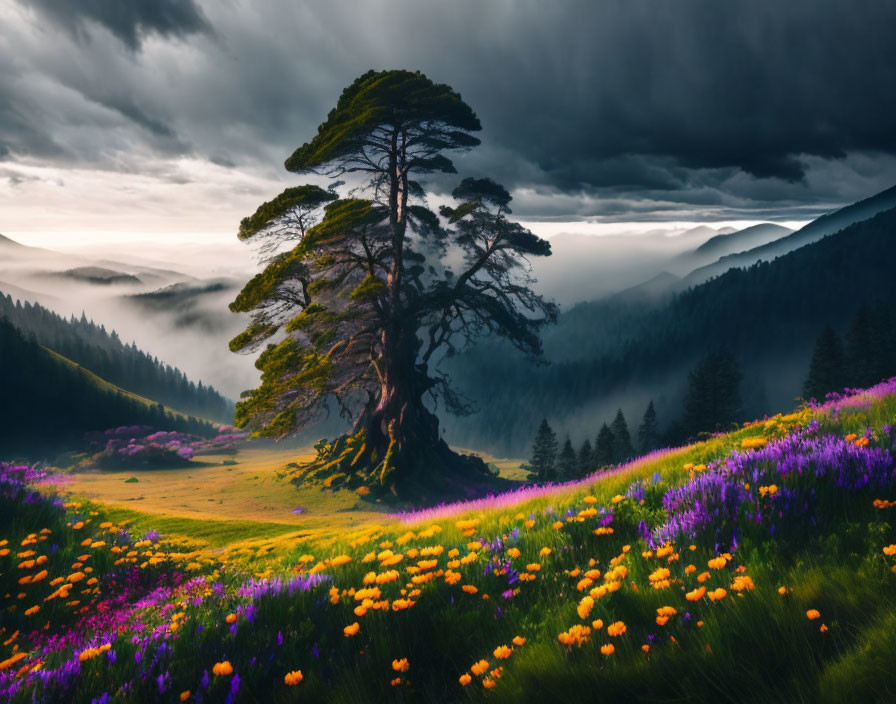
48, 402
768, 315
103, 353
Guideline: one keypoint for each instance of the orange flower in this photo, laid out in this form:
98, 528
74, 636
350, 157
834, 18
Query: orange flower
502, 652
696, 594
224, 669
293, 678
352, 630
519, 640
400, 665
479, 668
607, 649
616, 629
813, 614
465, 679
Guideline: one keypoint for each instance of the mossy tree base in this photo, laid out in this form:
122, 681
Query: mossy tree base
389, 469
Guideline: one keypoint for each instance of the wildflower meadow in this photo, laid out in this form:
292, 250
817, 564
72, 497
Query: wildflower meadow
758, 565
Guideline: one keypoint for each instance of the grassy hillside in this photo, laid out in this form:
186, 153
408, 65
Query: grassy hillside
51, 402
755, 566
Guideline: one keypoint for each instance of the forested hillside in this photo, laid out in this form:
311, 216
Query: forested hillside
50, 402
768, 316
103, 352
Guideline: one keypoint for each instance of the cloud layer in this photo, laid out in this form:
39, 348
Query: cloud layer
622, 110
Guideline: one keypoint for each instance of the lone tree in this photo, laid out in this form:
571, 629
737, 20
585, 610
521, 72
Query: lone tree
372, 290
544, 452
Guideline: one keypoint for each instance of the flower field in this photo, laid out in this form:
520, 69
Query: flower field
759, 565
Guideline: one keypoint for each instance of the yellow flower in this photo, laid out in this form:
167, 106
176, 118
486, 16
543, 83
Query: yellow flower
465, 679
607, 649
617, 499
352, 630
293, 678
224, 669
400, 665
502, 652
813, 614
545, 552
479, 668
782, 590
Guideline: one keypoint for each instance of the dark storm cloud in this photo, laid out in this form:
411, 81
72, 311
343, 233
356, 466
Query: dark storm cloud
129, 20
590, 109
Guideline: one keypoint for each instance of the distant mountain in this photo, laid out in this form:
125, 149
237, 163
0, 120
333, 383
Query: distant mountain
624, 352
97, 275
103, 353
814, 231
650, 291
50, 402
741, 240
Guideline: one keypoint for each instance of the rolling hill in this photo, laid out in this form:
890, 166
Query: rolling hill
50, 402
104, 354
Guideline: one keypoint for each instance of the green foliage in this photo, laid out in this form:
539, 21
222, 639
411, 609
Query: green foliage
396, 99
293, 200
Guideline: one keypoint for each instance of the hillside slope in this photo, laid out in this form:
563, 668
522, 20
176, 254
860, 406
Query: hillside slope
50, 402
817, 229
103, 353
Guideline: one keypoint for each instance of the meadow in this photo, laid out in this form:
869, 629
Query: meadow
755, 566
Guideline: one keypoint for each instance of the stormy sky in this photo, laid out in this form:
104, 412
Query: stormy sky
158, 118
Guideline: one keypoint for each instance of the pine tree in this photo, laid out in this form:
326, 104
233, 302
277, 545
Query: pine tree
586, 458
603, 447
544, 452
826, 370
567, 463
622, 439
648, 433
713, 395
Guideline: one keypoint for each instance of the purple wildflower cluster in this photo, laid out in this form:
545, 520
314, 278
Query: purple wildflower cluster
788, 484
140, 444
